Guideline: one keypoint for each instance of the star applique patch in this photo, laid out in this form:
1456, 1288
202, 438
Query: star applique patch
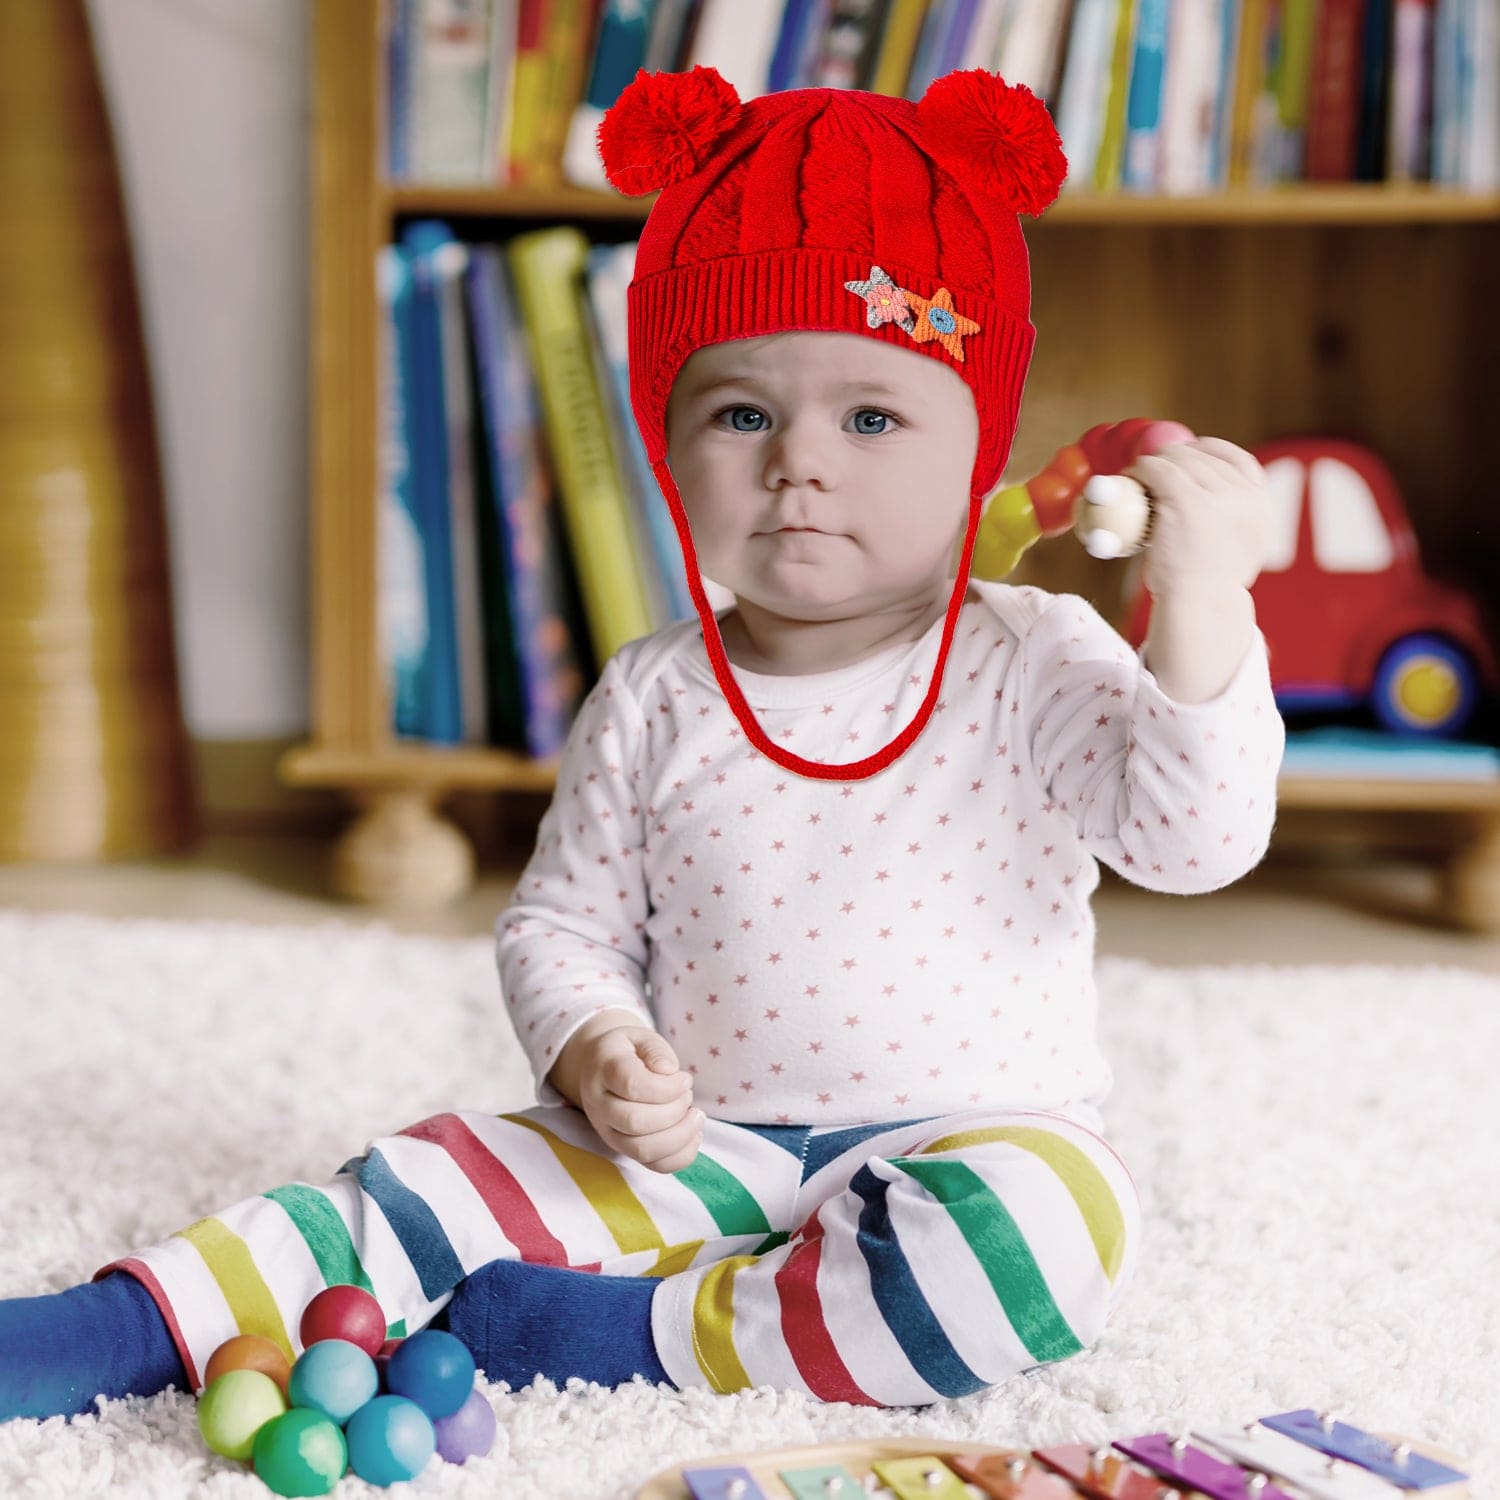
885, 302
936, 319
933, 320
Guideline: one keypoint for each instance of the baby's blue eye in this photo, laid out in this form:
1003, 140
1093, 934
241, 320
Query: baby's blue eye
733, 411
871, 431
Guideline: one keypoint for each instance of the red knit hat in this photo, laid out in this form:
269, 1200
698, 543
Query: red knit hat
843, 211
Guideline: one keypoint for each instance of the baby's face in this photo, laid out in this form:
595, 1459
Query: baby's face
868, 446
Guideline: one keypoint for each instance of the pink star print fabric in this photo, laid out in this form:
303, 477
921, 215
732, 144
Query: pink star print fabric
825, 952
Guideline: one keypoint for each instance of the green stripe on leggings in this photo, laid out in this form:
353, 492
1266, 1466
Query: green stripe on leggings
318, 1223
1002, 1250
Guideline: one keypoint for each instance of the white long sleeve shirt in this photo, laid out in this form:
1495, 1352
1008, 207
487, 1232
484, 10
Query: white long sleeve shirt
917, 943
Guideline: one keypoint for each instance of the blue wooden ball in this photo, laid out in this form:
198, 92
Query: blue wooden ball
434, 1369
334, 1377
390, 1439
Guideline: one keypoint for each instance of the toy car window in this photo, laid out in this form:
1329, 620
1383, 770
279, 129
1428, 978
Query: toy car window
1284, 490
1349, 535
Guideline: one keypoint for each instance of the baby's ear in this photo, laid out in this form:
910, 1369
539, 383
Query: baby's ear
664, 127
994, 135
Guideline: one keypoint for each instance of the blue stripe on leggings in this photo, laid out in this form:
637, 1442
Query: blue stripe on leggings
415, 1225
906, 1311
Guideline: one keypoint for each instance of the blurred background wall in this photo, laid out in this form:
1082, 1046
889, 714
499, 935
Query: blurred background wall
210, 105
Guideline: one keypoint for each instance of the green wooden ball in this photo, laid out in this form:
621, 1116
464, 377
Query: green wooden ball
301, 1452
235, 1407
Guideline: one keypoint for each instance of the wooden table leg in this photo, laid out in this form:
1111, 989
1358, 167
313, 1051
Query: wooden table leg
401, 851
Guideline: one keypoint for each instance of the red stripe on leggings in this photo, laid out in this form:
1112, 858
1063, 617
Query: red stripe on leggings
505, 1198
802, 1324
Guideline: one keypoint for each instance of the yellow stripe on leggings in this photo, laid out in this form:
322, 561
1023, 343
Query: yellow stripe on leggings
231, 1264
604, 1185
1082, 1178
675, 1258
713, 1326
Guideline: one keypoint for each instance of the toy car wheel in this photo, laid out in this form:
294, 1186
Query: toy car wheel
1424, 685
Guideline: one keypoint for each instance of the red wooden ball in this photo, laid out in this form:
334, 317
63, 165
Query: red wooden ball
344, 1312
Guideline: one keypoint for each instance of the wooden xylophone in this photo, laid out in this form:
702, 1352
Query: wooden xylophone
1295, 1455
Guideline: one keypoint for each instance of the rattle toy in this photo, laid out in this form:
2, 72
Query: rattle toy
353, 1400
1316, 1454
1083, 488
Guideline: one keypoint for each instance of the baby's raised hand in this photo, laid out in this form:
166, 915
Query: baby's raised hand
638, 1099
1210, 516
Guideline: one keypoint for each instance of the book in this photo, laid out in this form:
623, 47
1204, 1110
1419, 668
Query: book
571, 29
1140, 168
1333, 101
619, 53
1374, 93
398, 49
898, 46
1447, 102
1108, 168
1223, 125
1409, 125
1189, 91
402, 583
1284, 143
846, 53
450, 80
1030, 50
926, 61
739, 40
1373, 753
986, 34
1481, 142
1247, 84
422, 378
799, 28
500, 94
548, 266
449, 260
529, 84
671, 36
1083, 90
536, 651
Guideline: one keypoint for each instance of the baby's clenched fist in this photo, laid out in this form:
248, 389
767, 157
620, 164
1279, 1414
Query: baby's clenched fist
638, 1099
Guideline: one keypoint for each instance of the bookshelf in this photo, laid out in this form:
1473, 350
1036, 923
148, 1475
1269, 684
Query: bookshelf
1361, 309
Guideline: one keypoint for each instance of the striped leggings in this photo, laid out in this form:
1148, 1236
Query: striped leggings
888, 1264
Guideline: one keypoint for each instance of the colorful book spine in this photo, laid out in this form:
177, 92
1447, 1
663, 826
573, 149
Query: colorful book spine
1223, 123
1081, 96
529, 92
500, 95
797, 35
1482, 152
1446, 103
1108, 168
1292, 81
1333, 103
1248, 83
422, 381
398, 50
1188, 96
987, 34
1409, 139
671, 35
898, 46
537, 671
610, 270
956, 38
449, 261
1374, 93
926, 63
572, 27
847, 50
624, 31
402, 590
1031, 45
738, 40
1141, 165
548, 266
450, 91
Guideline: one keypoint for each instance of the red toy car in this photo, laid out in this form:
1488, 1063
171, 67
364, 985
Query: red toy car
1348, 613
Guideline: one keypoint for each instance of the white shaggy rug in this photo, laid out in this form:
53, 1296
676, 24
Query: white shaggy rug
1318, 1149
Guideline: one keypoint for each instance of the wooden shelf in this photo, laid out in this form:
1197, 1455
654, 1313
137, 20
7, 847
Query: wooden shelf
1383, 336
1296, 203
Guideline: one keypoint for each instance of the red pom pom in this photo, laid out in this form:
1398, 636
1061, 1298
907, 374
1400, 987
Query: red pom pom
994, 135
664, 126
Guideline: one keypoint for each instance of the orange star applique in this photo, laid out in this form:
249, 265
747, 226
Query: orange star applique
936, 319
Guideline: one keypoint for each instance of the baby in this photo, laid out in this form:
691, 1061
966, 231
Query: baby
803, 958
